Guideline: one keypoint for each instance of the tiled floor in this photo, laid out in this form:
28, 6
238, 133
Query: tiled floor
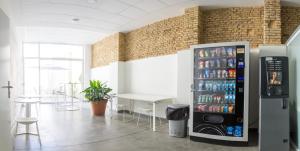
79, 131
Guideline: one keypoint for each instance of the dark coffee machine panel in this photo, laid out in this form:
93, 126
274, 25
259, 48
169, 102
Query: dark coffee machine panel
274, 77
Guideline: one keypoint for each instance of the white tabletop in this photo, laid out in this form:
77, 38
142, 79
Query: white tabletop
143, 97
29, 101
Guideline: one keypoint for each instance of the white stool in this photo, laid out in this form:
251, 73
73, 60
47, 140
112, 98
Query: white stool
123, 107
148, 112
28, 121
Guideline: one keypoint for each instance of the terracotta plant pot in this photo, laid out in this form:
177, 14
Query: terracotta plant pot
99, 107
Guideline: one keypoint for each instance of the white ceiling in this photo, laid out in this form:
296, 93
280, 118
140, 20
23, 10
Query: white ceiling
107, 16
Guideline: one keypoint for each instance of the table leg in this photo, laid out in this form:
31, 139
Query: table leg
28, 115
153, 112
111, 109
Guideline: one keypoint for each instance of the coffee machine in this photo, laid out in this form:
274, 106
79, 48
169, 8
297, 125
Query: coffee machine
274, 110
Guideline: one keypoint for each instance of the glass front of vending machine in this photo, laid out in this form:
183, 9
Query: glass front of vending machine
220, 92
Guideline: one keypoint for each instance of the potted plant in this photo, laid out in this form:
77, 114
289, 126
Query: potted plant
97, 94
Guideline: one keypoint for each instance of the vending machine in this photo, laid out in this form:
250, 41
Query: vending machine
274, 113
220, 92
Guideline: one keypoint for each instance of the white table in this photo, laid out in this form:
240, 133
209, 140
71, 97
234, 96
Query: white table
154, 99
28, 103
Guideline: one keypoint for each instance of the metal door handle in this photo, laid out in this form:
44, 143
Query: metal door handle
8, 87
284, 104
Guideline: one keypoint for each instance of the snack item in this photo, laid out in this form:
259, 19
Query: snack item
215, 87
213, 74
233, 52
224, 74
207, 64
212, 52
200, 85
207, 85
223, 52
201, 53
230, 109
230, 63
218, 52
229, 52
201, 64
219, 74
201, 74
231, 73
206, 75
206, 53
210, 108
212, 63
223, 63
218, 63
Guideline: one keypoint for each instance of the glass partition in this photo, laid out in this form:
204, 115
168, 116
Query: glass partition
48, 67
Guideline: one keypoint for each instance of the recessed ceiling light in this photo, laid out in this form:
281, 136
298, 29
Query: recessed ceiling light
75, 19
92, 1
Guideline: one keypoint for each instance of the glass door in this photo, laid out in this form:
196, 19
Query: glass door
215, 80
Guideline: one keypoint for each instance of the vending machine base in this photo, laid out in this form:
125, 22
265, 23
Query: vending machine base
218, 142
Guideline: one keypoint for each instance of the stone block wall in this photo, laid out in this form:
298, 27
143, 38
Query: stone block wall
272, 22
290, 20
233, 24
161, 38
108, 50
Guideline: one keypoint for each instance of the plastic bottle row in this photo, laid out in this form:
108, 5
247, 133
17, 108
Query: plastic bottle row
227, 108
209, 74
216, 86
217, 63
217, 52
228, 98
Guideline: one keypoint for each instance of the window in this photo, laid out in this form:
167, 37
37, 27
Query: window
48, 67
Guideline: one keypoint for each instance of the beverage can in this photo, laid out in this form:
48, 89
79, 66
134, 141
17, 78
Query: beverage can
229, 130
238, 131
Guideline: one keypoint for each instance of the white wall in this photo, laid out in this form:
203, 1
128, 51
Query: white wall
294, 87
184, 73
87, 65
101, 73
156, 75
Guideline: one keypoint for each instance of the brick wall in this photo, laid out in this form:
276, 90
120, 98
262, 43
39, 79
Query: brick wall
272, 22
161, 38
164, 37
233, 24
290, 20
108, 50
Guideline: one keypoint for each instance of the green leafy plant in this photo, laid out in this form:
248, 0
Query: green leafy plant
97, 91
